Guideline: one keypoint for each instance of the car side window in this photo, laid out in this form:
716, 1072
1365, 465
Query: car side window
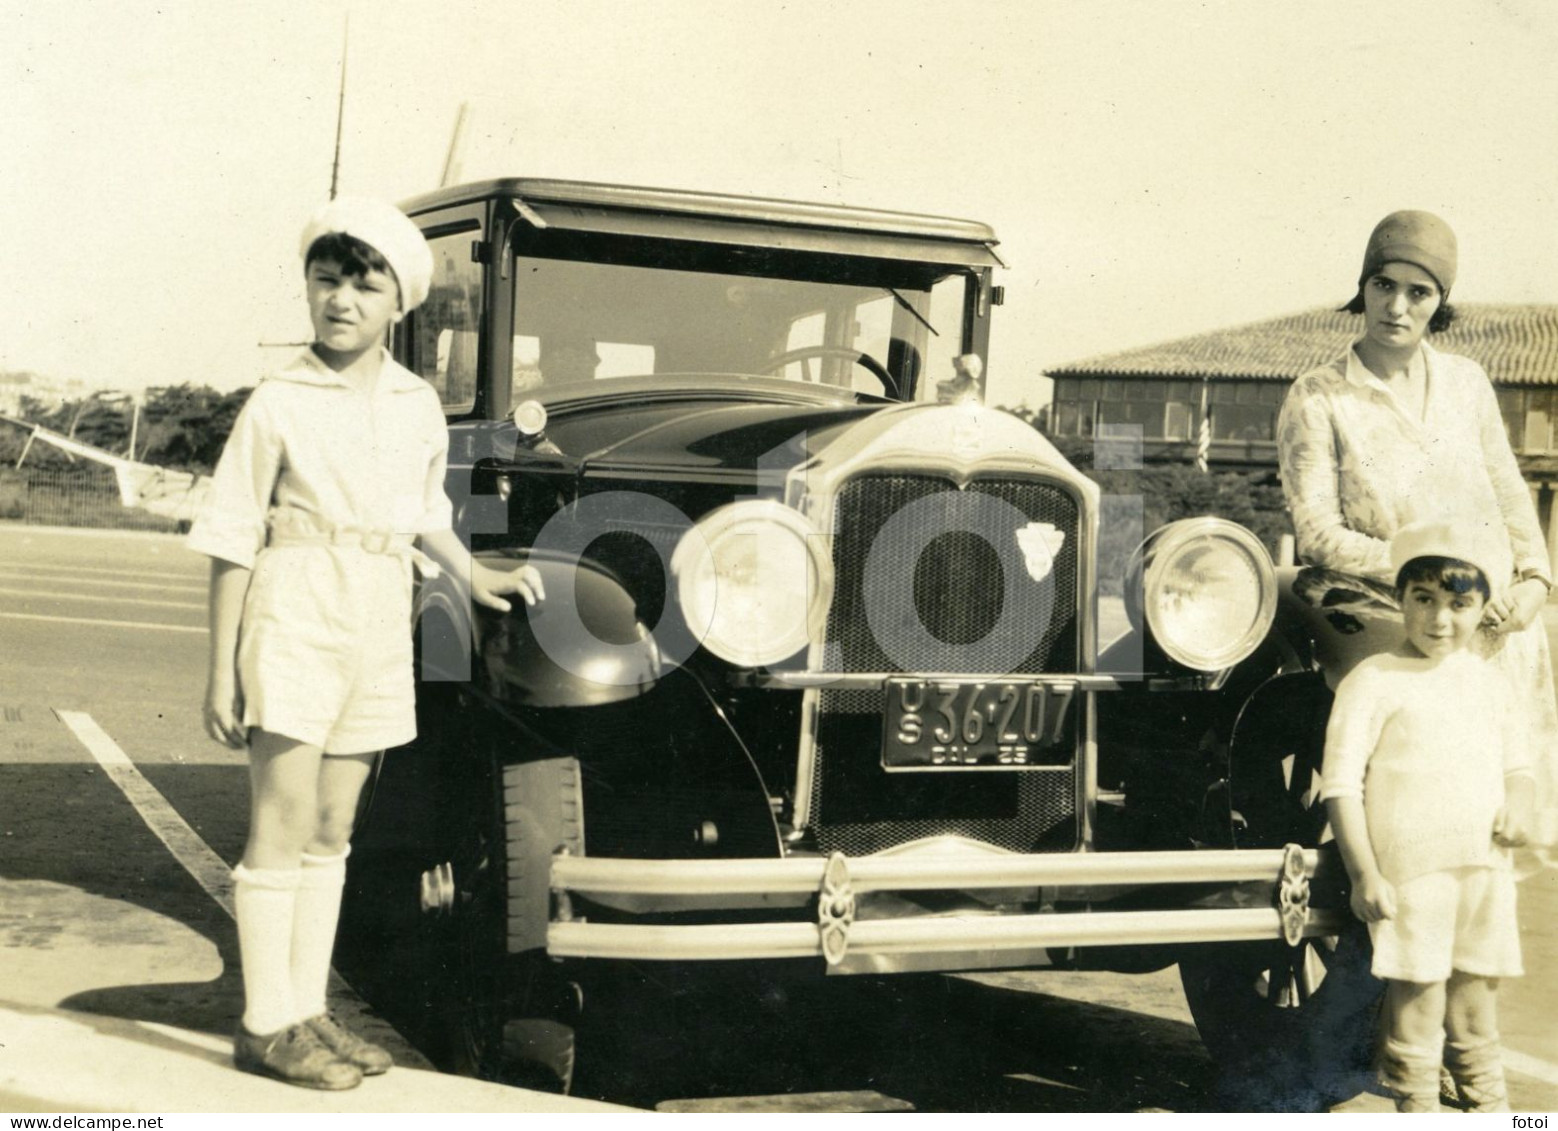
446, 334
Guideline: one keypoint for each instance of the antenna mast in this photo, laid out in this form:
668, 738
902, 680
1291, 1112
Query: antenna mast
340, 106
456, 154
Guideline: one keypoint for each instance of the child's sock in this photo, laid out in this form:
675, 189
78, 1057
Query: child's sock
1412, 1073
263, 902
1478, 1072
313, 930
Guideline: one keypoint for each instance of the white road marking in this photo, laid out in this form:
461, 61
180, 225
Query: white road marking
210, 870
111, 571
72, 575
118, 599
1532, 1066
115, 623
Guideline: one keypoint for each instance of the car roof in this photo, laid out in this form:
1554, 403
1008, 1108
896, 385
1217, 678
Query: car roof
762, 210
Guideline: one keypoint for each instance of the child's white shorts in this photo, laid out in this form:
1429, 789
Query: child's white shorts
1460, 919
324, 654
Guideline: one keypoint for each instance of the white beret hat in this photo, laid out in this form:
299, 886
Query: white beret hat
384, 228
1482, 545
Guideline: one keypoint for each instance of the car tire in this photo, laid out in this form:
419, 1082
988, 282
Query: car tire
1291, 1028
505, 1011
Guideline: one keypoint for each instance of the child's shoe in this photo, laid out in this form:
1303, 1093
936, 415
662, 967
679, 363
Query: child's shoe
1478, 1073
370, 1058
293, 1055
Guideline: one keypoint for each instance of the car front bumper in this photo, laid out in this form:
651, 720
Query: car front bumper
1272, 883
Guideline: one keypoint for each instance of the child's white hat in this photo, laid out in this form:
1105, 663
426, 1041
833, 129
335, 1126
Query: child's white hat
1480, 544
384, 228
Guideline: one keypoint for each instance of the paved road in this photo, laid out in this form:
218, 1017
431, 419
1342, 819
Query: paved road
102, 648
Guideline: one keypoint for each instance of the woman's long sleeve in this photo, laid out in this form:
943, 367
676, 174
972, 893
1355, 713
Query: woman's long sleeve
1309, 460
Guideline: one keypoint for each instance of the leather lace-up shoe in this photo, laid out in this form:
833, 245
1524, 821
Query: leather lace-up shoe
295, 1056
370, 1058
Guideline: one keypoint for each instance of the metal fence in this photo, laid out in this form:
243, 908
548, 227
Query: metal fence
84, 496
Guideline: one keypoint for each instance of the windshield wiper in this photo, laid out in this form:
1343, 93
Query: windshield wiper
903, 302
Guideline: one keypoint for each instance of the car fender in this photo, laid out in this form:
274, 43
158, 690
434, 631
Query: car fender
581, 645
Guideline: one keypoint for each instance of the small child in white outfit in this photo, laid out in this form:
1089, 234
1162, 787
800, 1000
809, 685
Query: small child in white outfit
1426, 785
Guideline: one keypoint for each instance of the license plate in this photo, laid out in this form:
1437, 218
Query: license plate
965, 724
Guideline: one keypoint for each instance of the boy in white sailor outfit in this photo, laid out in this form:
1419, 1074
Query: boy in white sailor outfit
332, 472
1427, 784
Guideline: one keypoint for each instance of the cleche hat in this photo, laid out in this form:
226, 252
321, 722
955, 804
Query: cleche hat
1478, 544
1419, 238
388, 231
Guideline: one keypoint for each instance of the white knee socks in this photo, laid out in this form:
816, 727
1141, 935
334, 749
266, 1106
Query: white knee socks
263, 903
313, 930
1412, 1073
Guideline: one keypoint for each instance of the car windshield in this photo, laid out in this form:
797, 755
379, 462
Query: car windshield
882, 328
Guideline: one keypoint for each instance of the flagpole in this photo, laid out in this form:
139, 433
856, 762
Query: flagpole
1204, 432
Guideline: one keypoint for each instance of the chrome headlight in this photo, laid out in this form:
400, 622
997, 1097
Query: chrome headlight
1208, 591
753, 581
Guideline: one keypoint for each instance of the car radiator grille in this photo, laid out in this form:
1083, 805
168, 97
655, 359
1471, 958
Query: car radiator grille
979, 610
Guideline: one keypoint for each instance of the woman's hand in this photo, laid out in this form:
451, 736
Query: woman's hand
1518, 608
1512, 824
223, 712
1373, 898
487, 584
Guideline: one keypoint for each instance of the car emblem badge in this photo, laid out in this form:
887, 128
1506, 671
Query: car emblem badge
966, 437
1039, 543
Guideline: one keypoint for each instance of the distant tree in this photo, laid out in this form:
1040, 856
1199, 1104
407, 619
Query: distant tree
181, 426
186, 426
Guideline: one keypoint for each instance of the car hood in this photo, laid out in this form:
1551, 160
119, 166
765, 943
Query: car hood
717, 437
699, 436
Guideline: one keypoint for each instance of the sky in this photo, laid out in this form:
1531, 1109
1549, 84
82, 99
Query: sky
1154, 168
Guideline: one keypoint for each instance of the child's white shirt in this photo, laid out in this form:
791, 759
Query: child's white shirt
1426, 743
309, 440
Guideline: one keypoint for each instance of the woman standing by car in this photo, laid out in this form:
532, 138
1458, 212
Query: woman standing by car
1395, 432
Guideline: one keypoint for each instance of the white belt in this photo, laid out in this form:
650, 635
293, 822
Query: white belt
283, 526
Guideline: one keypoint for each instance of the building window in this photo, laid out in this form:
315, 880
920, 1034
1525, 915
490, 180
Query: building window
1179, 421
1242, 422
1147, 415
1540, 415
1511, 406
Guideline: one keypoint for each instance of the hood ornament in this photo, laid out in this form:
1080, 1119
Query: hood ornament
966, 385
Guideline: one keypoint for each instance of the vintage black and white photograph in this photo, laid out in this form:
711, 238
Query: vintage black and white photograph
777, 557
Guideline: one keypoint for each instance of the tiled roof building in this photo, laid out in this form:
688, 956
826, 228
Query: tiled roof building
1246, 371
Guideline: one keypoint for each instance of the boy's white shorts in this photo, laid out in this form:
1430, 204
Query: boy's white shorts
324, 655
1459, 919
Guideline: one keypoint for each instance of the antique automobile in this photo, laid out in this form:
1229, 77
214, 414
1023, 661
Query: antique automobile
834, 672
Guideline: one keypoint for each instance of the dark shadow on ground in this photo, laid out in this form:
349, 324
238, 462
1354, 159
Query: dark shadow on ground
940, 1044
68, 824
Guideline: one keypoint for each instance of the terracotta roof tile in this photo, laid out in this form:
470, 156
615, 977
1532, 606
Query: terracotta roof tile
1516, 344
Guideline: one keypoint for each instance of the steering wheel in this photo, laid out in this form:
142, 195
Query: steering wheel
864, 360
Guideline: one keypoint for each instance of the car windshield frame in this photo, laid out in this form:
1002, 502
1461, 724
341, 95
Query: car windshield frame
588, 310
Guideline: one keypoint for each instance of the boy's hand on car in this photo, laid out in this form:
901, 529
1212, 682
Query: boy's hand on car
1373, 899
487, 584
1518, 608
223, 714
